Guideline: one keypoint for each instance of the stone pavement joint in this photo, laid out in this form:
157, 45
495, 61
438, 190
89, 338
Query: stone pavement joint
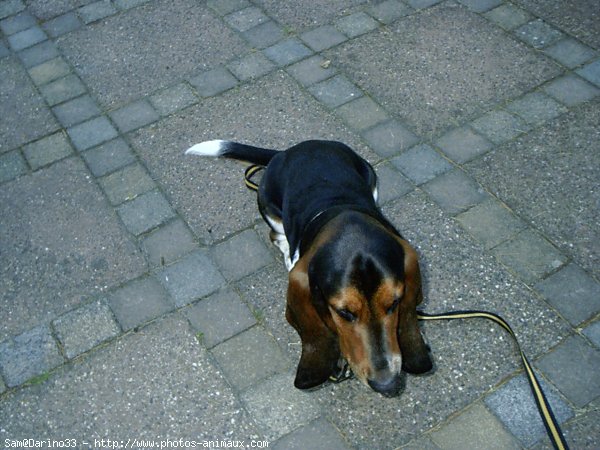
136, 275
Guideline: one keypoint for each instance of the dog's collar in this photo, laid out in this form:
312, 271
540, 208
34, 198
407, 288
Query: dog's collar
318, 221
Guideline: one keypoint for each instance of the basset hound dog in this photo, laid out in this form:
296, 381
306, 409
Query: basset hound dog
354, 282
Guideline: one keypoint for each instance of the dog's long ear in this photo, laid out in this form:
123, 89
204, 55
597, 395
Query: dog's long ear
320, 348
415, 353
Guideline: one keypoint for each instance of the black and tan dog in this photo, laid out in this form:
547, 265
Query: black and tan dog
354, 282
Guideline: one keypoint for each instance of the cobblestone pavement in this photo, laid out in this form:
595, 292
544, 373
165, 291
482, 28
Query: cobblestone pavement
140, 296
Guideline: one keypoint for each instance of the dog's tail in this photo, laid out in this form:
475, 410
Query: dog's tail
233, 150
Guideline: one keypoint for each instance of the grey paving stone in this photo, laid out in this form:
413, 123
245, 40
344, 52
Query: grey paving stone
244, 19
47, 150
570, 52
311, 70
571, 90
463, 144
389, 11
65, 243
515, 406
19, 22
481, 6
126, 184
12, 164
362, 113
576, 19
436, 63
508, 16
173, 99
335, 91
317, 434
191, 278
84, 328
49, 71
2, 386
227, 6
490, 222
213, 82
287, 52
264, 35
549, 187
536, 108
421, 163
170, 52
500, 126
133, 116
27, 355
249, 357
92, 133
108, 157
390, 138
219, 317
76, 111
168, 243
455, 191
39, 53
580, 385
538, 34
356, 24
592, 332
391, 184
10, 7
138, 302
26, 38
460, 432
162, 370
322, 37
278, 407
265, 294
96, 11
530, 256
241, 255
63, 89
573, 293
145, 212
591, 72
252, 65
62, 24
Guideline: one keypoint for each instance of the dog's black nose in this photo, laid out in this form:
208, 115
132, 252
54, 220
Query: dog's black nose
389, 387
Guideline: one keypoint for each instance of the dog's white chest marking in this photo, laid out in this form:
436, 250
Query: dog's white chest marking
279, 238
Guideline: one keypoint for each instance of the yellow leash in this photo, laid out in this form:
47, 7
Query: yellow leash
550, 422
249, 173
554, 432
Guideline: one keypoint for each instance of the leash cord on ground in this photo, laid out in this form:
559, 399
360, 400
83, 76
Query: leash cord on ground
550, 422
249, 173
554, 432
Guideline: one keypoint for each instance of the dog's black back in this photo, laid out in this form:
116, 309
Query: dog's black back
313, 177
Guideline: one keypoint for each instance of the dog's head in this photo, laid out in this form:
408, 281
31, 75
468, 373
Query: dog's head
358, 302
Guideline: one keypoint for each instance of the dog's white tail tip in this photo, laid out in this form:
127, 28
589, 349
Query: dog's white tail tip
208, 148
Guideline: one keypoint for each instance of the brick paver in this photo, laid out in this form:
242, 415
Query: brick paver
141, 296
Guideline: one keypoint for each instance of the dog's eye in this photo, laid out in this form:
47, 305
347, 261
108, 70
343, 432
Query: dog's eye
346, 315
393, 306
